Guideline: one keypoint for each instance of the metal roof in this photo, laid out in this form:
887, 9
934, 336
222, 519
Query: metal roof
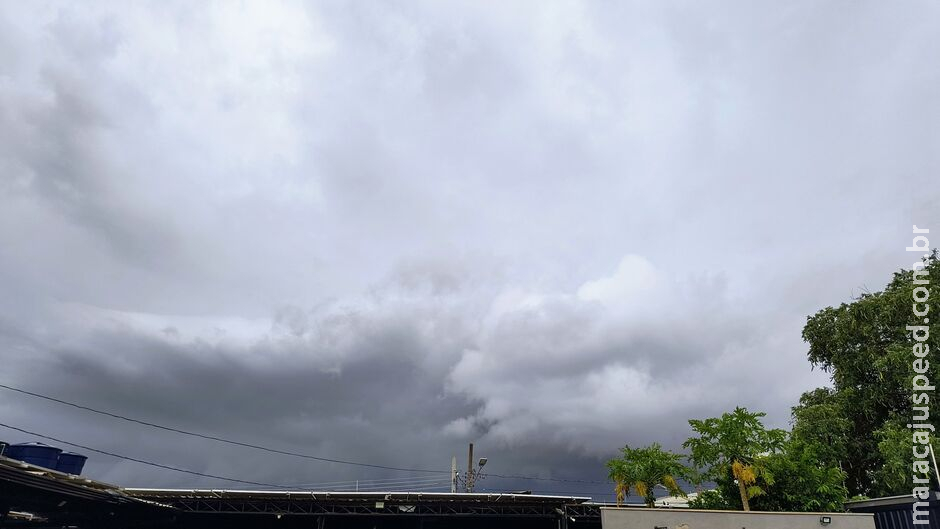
887, 501
64, 499
355, 496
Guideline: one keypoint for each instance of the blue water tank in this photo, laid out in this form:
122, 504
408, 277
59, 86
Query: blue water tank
71, 463
35, 454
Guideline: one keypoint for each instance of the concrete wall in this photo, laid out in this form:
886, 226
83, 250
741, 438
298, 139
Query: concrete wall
639, 518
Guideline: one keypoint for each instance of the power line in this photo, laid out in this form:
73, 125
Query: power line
555, 492
431, 483
274, 450
430, 487
383, 484
407, 484
143, 461
374, 482
557, 480
361, 485
406, 487
215, 438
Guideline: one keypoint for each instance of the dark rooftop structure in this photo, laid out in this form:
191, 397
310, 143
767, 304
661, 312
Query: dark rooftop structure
896, 512
56, 499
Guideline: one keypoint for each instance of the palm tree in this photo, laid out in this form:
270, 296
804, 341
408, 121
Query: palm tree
642, 469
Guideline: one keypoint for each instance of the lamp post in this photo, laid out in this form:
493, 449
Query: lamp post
473, 473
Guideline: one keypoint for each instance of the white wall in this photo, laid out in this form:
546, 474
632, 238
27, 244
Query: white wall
642, 518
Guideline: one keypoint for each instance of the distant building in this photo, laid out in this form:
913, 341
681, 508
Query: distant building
676, 501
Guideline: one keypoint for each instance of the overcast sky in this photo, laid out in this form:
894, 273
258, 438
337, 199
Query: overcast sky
377, 231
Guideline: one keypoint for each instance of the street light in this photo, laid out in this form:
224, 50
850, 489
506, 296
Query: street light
473, 474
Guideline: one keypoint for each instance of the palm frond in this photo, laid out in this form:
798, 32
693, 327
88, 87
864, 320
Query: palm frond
622, 490
672, 486
641, 488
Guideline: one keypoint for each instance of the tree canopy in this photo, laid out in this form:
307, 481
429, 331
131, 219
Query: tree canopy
801, 483
851, 439
735, 443
751, 466
642, 469
860, 422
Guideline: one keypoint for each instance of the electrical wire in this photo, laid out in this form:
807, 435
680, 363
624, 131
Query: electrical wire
275, 450
440, 485
424, 484
371, 482
381, 484
555, 492
557, 480
218, 439
373, 486
142, 461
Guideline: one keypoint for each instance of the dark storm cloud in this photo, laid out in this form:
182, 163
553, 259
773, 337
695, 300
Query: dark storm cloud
407, 375
378, 232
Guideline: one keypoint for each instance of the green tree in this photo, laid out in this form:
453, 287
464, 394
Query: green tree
894, 450
642, 469
736, 445
865, 347
713, 500
801, 483
818, 422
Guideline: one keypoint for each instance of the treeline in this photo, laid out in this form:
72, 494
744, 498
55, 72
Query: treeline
852, 439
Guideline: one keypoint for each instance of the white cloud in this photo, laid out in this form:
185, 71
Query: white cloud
634, 279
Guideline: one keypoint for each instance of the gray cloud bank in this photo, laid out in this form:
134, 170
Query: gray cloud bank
380, 231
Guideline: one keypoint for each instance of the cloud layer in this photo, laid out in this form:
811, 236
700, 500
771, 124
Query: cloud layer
378, 232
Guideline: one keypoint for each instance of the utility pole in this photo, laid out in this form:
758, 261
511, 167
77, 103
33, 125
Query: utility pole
470, 469
453, 474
